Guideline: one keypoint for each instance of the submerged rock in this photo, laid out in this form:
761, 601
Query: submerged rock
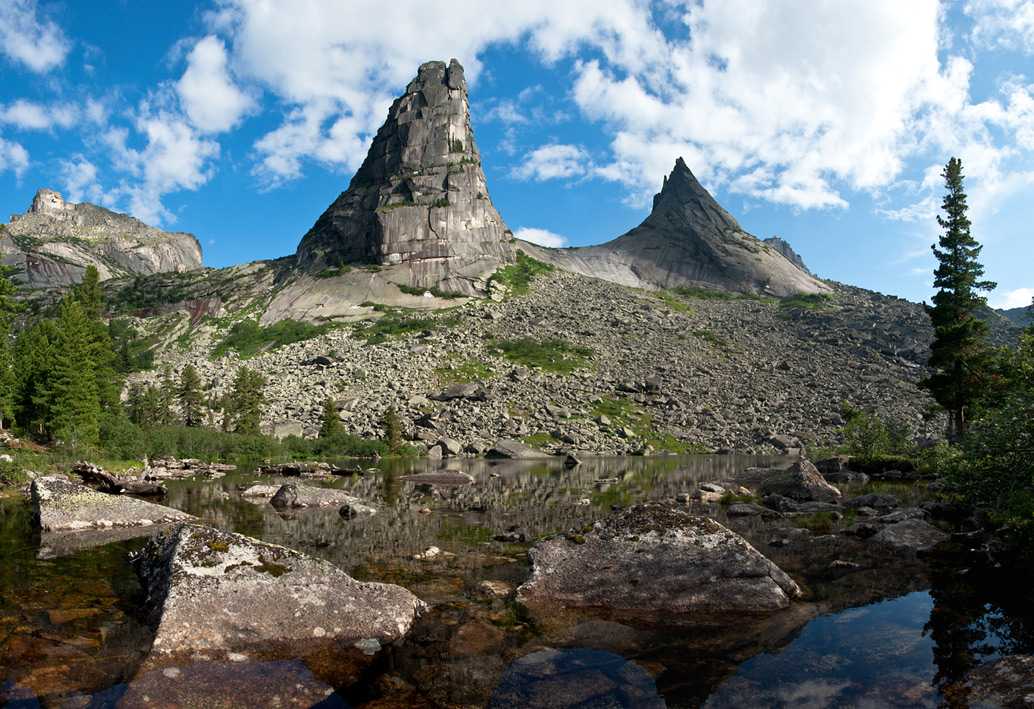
215, 592
657, 557
914, 534
1009, 682
514, 450
62, 505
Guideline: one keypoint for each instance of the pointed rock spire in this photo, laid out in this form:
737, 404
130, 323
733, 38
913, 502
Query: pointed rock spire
420, 199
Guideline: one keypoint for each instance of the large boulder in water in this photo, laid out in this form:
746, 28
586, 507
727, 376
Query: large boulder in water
657, 557
217, 593
801, 482
61, 505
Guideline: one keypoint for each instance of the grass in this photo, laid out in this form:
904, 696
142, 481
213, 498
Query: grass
623, 413
396, 323
459, 531
807, 301
463, 372
712, 294
540, 439
552, 355
674, 302
433, 290
334, 272
731, 499
247, 338
708, 336
518, 276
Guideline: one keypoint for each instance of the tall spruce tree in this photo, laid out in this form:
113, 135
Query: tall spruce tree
34, 354
243, 408
9, 307
190, 398
72, 393
330, 422
959, 354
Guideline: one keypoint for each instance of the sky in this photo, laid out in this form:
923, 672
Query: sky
825, 122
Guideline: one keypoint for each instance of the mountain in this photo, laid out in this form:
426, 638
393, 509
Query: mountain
419, 202
1019, 317
54, 242
689, 240
783, 247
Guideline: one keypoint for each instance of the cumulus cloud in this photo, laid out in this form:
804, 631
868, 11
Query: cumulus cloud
210, 98
337, 70
542, 237
28, 115
173, 157
1018, 298
28, 39
79, 179
1002, 23
553, 162
13, 157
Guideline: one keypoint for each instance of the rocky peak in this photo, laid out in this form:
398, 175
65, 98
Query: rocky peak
48, 201
682, 197
783, 246
420, 199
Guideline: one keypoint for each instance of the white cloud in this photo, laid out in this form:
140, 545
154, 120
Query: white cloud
28, 115
37, 43
542, 237
174, 157
79, 179
1002, 23
13, 157
210, 98
1019, 298
553, 162
337, 70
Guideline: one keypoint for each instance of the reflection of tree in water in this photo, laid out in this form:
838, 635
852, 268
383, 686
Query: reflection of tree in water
979, 613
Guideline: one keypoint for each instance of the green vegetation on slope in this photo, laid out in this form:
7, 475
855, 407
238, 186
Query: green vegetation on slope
518, 276
552, 355
247, 338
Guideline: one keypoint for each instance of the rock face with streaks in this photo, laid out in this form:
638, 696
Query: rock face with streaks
54, 242
657, 557
688, 240
420, 201
215, 592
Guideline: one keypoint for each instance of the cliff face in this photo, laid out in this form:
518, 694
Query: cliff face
420, 201
54, 242
688, 240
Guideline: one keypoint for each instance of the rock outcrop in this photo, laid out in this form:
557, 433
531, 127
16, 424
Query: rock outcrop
54, 242
657, 557
687, 240
783, 246
801, 482
61, 505
420, 200
216, 593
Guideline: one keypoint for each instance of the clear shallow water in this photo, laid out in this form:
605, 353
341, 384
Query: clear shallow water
70, 625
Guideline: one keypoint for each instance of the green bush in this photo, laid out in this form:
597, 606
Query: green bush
807, 301
395, 323
552, 355
247, 338
867, 435
518, 276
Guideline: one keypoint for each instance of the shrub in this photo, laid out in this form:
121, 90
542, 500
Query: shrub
518, 276
807, 301
552, 355
247, 338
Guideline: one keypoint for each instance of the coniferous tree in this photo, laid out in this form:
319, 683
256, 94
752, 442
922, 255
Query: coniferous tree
243, 409
8, 381
103, 358
72, 392
330, 422
959, 354
392, 431
190, 398
34, 354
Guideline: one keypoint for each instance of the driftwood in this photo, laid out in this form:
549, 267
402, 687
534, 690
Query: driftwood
106, 482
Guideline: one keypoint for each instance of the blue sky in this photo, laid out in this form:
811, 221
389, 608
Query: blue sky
822, 121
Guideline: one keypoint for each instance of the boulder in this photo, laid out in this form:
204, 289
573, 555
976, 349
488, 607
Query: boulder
470, 392
450, 447
293, 496
514, 450
1008, 682
878, 501
800, 482
62, 505
910, 534
217, 593
656, 557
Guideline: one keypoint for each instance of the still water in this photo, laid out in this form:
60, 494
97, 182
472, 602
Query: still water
71, 632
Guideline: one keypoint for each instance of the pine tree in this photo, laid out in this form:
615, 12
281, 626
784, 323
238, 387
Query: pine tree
34, 354
90, 295
959, 354
243, 409
8, 381
392, 431
330, 422
189, 396
72, 392
103, 358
